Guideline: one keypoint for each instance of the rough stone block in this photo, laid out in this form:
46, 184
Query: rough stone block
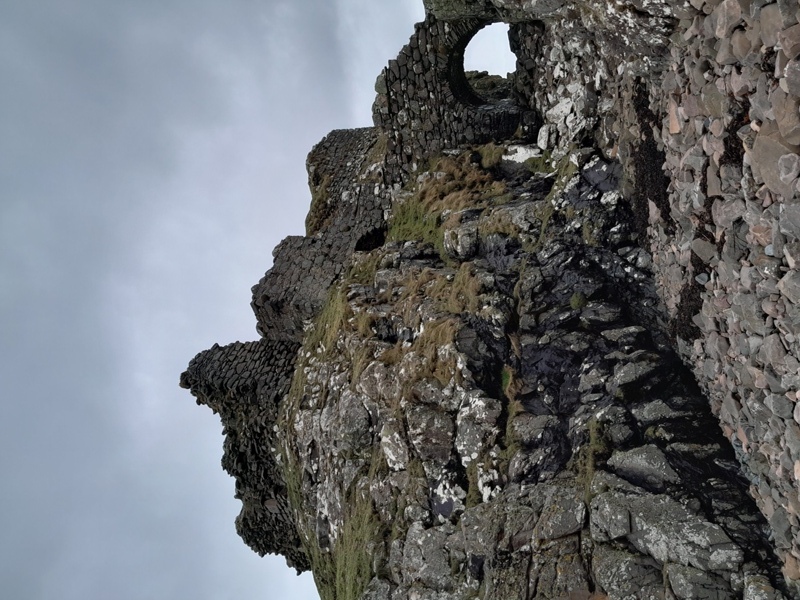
785, 108
688, 583
790, 41
766, 154
771, 24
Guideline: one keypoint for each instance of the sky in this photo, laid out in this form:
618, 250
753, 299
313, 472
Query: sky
151, 156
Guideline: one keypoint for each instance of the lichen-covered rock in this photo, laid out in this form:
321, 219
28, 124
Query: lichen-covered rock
479, 376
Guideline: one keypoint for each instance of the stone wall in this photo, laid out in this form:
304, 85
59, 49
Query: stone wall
347, 212
728, 246
425, 103
244, 383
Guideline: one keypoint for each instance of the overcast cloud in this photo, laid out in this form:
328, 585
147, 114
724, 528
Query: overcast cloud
151, 156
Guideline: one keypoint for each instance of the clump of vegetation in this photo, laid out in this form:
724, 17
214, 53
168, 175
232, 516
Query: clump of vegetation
330, 321
498, 221
321, 208
451, 185
412, 221
464, 291
591, 455
544, 211
361, 359
435, 336
511, 442
293, 477
362, 527
510, 383
491, 155
364, 268
489, 88
588, 234
343, 571
577, 301
565, 170
540, 164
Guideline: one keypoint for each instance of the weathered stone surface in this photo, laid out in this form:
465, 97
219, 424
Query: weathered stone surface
771, 23
646, 466
789, 220
727, 16
625, 575
688, 582
790, 41
766, 154
789, 286
785, 107
792, 77
470, 388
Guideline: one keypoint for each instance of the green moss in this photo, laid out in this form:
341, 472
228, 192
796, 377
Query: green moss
505, 380
539, 164
577, 301
412, 221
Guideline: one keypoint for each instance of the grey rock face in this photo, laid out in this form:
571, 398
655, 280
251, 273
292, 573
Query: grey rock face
479, 372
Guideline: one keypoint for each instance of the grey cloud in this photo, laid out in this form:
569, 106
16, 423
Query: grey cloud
151, 156
97, 107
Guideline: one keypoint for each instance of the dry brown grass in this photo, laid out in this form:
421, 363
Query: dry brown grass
452, 184
458, 184
464, 291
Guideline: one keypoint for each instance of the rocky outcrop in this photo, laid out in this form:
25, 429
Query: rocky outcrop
539, 343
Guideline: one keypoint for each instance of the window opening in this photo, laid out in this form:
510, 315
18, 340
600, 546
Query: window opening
489, 63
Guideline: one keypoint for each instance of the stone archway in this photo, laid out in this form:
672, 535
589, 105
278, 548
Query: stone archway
426, 104
459, 83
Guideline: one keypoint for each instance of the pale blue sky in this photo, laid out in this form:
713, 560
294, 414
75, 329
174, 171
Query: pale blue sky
151, 156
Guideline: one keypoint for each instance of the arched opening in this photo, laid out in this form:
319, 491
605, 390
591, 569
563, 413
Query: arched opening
489, 63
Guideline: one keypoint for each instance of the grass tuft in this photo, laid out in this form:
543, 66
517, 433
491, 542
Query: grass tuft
591, 455
321, 208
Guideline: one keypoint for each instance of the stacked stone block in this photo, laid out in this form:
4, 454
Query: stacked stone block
244, 383
425, 103
348, 193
